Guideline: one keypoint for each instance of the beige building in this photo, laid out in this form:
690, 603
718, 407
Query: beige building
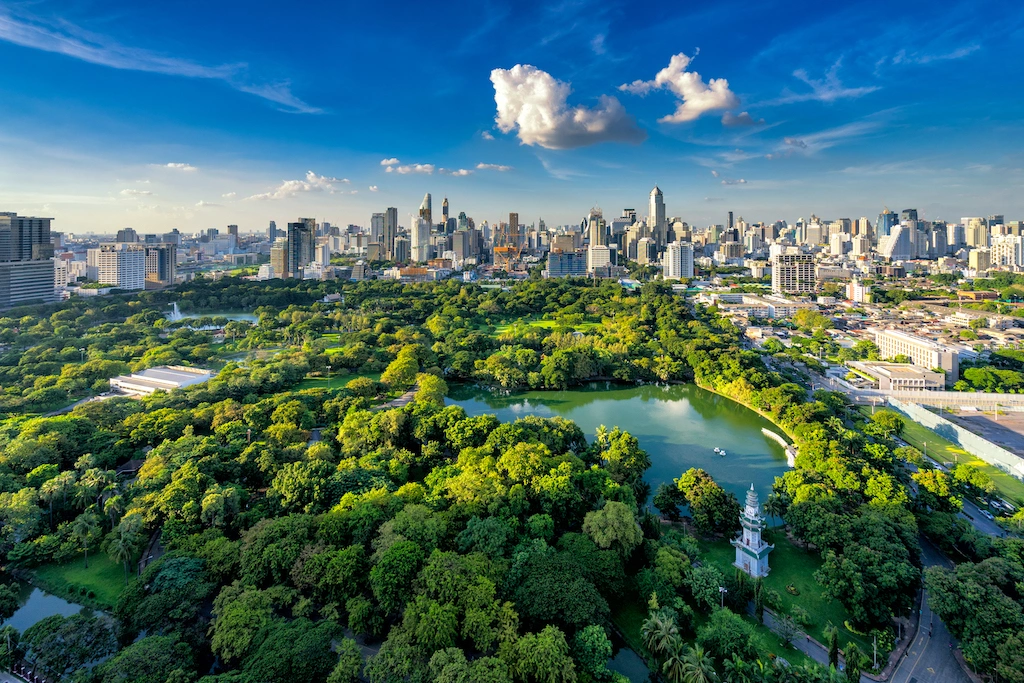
922, 352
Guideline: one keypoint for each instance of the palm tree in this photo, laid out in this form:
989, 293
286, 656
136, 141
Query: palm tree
83, 530
658, 631
602, 438
774, 506
736, 670
675, 661
121, 550
113, 507
698, 667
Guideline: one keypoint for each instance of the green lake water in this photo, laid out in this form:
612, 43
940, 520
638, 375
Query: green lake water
679, 426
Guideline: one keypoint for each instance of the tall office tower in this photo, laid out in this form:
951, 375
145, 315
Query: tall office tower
127, 235
793, 273
419, 238
26, 268
444, 210
400, 250
596, 228
173, 237
272, 232
462, 224
161, 264
862, 228
657, 220
233, 231
427, 210
730, 224
122, 265
678, 261
839, 244
814, 233
279, 258
996, 219
976, 231
376, 227
390, 233
908, 215
939, 237
301, 246
515, 238
887, 220
24, 238
955, 237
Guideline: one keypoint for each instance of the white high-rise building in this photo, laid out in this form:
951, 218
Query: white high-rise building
1008, 251
793, 273
598, 257
419, 237
122, 265
678, 261
657, 220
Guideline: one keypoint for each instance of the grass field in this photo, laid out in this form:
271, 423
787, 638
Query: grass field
104, 578
337, 381
930, 443
545, 324
792, 565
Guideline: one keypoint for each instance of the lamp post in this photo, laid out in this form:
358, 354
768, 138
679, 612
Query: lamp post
328, 378
82, 351
722, 590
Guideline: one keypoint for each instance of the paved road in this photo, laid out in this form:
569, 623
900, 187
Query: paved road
930, 657
980, 522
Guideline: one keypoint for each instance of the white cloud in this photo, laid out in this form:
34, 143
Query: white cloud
715, 173
741, 119
816, 142
903, 57
202, 204
486, 135
135, 193
695, 96
64, 38
229, 195
827, 89
733, 181
411, 168
390, 162
292, 188
597, 44
177, 166
535, 104
460, 172
493, 167
374, 188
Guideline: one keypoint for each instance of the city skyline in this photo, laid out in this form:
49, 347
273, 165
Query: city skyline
541, 111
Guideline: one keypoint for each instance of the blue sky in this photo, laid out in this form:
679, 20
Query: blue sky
200, 114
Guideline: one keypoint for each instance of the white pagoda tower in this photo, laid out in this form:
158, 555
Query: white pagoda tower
751, 550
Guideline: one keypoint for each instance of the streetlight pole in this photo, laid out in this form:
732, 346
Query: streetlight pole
82, 351
722, 590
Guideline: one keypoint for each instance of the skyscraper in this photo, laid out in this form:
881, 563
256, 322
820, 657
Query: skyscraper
233, 230
376, 227
678, 261
515, 238
24, 238
597, 229
390, 232
26, 271
301, 247
887, 220
122, 265
272, 232
426, 210
444, 211
908, 215
161, 263
127, 235
657, 220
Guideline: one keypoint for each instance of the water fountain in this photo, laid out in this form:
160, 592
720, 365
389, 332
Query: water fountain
175, 313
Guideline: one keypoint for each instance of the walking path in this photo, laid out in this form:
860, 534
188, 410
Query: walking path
403, 400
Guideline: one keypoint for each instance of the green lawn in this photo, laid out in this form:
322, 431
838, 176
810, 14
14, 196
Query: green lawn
337, 381
927, 441
792, 565
545, 324
629, 615
104, 578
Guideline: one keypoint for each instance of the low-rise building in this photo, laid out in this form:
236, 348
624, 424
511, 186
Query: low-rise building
163, 378
901, 376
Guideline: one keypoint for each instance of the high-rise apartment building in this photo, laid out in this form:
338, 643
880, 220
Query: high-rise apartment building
678, 261
233, 231
597, 230
793, 273
657, 219
975, 231
419, 237
301, 247
122, 265
279, 258
24, 238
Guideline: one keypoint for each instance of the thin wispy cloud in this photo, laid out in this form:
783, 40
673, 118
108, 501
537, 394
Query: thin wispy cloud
65, 38
827, 89
493, 167
461, 172
816, 142
905, 57
135, 193
229, 195
205, 204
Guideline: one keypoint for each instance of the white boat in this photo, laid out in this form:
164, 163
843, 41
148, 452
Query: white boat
721, 453
717, 449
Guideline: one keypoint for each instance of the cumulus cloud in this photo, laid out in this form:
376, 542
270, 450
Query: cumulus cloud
312, 183
460, 172
742, 119
794, 142
535, 104
374, 188
178, 166
486, 135
493, 167
229, 195
411, 168
135, 193
695, 96
390, 162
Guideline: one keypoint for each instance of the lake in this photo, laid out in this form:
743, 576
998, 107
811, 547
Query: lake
678, 425
37, 605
